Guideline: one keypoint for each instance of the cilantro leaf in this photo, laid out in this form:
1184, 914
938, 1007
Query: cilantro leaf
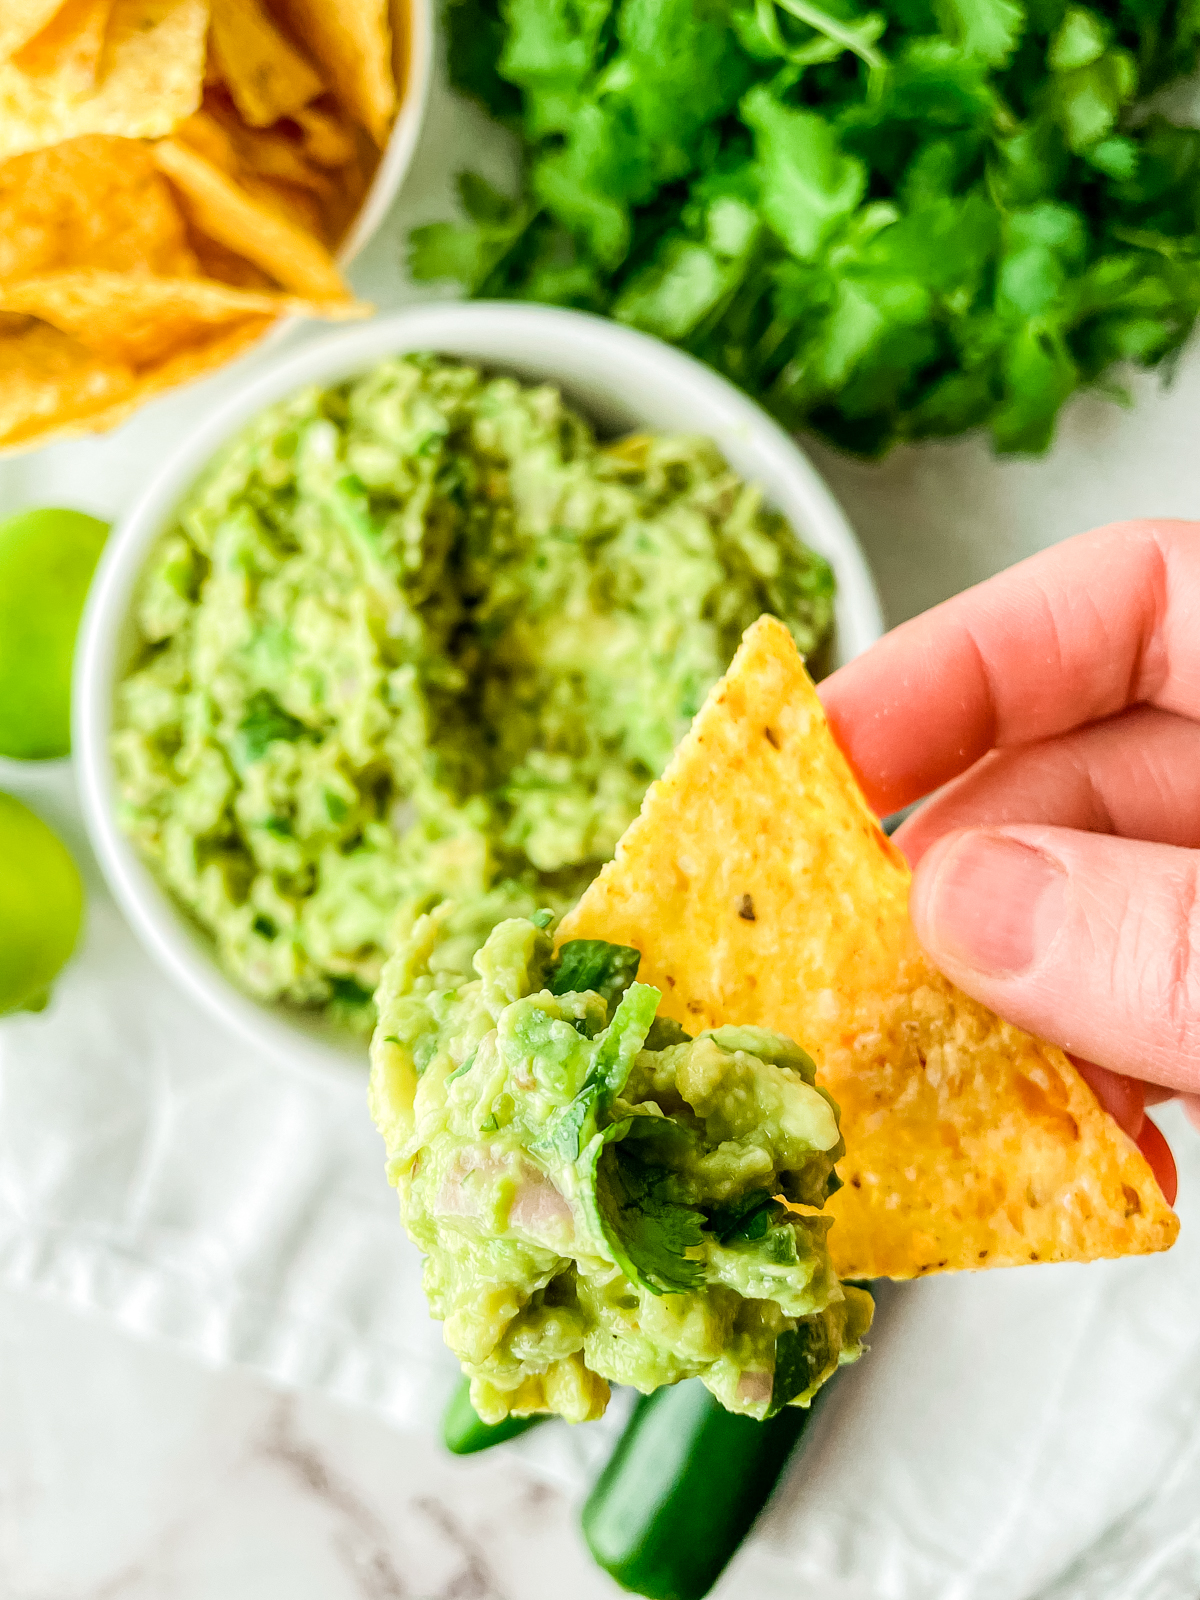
808, 183
553, 44
264, 722
475, 39
664, 1033
616, 1048
988, 29
470, 255
606, 969
838, 207
646, 1227
747, 1217
682, 71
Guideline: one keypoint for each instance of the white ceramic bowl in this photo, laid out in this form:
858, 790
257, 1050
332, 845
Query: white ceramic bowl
618, 378
415, 78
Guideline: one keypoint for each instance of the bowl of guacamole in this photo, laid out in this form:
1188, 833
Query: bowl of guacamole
413, 621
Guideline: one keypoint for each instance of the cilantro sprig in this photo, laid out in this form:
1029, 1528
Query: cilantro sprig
626, 1183
646, 1226
891, 223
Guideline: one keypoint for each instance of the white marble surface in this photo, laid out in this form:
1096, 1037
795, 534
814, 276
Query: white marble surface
131, 1471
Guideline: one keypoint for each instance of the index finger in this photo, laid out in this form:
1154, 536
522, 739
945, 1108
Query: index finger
1104, 621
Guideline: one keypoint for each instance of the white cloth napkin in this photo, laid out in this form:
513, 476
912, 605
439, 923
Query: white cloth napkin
152, 1168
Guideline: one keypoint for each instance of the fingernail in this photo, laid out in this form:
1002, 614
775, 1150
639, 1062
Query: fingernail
990, 903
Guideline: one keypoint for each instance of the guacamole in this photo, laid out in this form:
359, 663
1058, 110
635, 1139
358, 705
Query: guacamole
422, 635
599, 1197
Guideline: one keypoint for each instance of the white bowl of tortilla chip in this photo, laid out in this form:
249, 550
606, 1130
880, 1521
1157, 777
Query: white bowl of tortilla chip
620, 379
192, 179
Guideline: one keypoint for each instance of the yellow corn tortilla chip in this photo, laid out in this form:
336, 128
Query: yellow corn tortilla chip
22, 20
221, 265
138, 320
48, 381
220, 208
151, 77
298, 206
400, 16
352, 40
760, 889
267, 77
53, 388
66, 55
91, 202
207, 133
327, 141
265, 152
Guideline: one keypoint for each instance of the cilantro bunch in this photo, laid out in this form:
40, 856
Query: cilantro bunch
894, 224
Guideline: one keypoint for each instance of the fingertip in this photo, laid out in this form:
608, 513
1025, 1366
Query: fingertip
1154, 1094
986, 903
1123, 1098
924, 882
917, 835
851, 716
1158, 1155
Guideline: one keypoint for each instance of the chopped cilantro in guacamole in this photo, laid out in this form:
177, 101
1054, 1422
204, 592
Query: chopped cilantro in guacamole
422, 635
599, 1197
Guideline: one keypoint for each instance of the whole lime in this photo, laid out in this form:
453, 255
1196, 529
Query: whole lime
41, 907
46, 563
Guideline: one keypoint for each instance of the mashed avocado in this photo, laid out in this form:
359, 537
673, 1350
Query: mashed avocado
421, 635
596, 1193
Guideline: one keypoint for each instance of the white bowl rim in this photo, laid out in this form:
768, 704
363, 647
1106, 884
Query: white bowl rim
467, 330
398, 153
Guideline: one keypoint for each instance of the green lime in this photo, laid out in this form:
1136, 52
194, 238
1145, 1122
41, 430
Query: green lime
46, 563
41, 907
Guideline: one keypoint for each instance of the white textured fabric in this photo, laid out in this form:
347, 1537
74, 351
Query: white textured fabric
152, 1168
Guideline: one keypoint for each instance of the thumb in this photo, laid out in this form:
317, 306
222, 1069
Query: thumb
1089, 941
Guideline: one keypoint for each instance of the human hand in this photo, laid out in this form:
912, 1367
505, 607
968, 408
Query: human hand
1056, 709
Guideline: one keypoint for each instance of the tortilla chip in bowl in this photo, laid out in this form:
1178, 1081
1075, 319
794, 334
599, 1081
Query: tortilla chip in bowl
180, 177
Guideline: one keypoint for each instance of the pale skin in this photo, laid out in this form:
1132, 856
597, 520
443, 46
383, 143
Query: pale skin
1056, 710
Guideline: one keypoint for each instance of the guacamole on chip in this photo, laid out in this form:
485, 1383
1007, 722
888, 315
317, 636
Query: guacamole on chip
600, 1197
421, 637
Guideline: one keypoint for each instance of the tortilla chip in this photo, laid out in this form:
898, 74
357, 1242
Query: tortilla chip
151, 78
223, 266
208, 134
66, 55
400, 16
220, 208
92, 202
137, 320
22, 20
760, 889
54, 388
352, 39
288, 200
327, 141
340, 209
265, 74
48, 381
